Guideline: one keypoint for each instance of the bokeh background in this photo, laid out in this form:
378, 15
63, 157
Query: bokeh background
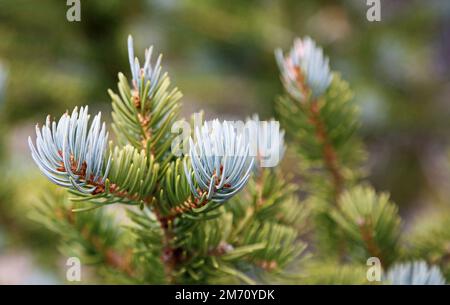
220, 54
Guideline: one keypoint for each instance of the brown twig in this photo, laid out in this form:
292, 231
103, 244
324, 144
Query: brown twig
144, 120
116, 260
170, 255
328, 151
188, 205
371, 246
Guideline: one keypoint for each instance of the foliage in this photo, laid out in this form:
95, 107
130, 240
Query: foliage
429, 240
215, 214
369, 222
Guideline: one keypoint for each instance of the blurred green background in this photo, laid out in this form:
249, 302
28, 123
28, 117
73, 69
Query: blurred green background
220, 54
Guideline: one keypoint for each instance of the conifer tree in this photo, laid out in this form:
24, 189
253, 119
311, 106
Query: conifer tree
221, 212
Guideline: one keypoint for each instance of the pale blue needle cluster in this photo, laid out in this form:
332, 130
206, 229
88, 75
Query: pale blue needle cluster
71, 153
304, 69
148, 73
415, 273
221, 163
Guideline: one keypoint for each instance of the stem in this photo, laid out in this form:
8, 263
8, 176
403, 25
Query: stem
259, 189
144, 120
168, 255
329, 154
372, 247
188, 205
115, 259
328, 151
329, 157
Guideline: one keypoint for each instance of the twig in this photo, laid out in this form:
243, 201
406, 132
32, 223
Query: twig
372, 247
328, 151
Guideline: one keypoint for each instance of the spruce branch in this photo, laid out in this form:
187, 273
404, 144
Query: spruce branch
328, 151
148, 246
320, 119
269, 209
143, 116
370, 223
93, 237
144, 113
306, 75
317, 114
429, 240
